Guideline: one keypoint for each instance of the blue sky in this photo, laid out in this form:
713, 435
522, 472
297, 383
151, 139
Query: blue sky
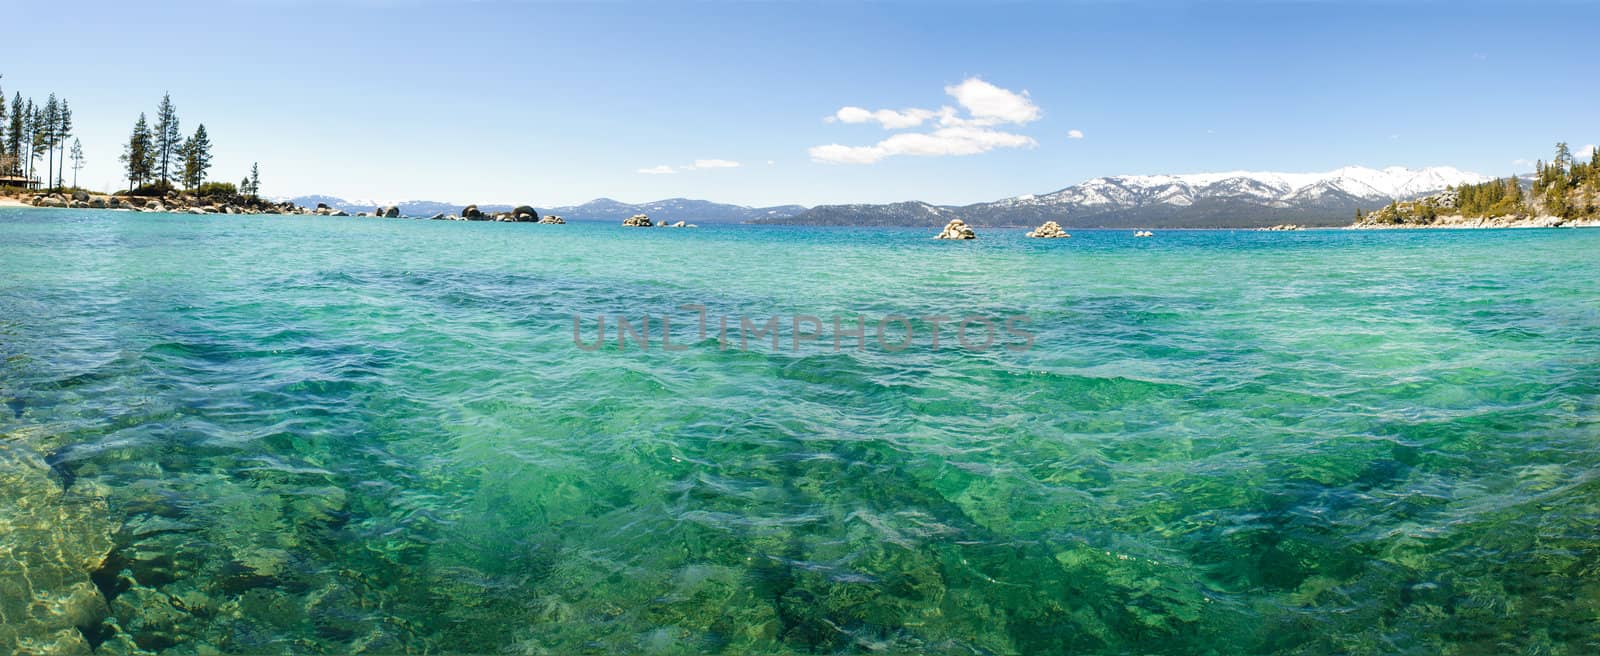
547, 103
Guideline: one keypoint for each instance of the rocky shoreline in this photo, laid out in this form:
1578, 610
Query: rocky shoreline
181, 203
1458, 222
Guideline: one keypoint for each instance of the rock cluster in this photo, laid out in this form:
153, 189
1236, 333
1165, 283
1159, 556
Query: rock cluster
1144, 233
524, 214
957, 229
637, 221
1050, 230
553, 220
1282, 227
471, 213
172, 202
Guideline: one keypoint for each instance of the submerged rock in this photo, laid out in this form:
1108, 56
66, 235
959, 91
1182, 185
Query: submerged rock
957, 229
1050, 230
637, 221
53, 539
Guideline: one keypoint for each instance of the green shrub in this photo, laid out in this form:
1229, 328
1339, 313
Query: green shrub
212, 189
156, 189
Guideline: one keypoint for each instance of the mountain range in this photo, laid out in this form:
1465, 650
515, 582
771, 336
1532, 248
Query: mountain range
1235, 199
599, 209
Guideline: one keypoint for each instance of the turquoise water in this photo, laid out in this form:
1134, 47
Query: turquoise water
331, 436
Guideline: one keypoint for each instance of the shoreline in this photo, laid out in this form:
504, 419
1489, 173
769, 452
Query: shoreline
1453, 222
1458, 222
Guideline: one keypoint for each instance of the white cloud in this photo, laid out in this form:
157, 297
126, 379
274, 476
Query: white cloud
986, 106
1521, 162
992, 105
1586, 152
888, 118
1074, 134
698, 165
940, 142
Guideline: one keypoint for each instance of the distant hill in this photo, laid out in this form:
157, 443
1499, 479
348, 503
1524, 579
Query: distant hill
600, 209
1204, 200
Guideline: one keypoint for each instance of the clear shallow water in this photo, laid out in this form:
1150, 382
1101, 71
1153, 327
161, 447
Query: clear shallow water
307, 435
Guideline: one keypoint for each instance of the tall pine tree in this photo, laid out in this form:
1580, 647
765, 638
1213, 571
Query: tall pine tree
196, 152
77, 161
168, 137
14, 131
139, 155
63, 132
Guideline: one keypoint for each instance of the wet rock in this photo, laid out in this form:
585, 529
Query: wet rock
957, 229
1050, 230
471, 213
390, 212
53, 539
637, 221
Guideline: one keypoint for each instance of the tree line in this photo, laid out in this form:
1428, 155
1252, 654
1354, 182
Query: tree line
158, 154
1566, 187
34, 133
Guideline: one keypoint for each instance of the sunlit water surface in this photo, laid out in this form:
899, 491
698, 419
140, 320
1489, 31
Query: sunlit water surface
347, 436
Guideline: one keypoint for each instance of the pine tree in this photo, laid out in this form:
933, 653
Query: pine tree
14, 135
48, 130
36, 133
255, 180
77, 161
139, 154
63, 132
168, 137
196, 153
5, 151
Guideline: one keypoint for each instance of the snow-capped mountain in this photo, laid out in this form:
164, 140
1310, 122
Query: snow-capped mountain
1266, 189
1228, 199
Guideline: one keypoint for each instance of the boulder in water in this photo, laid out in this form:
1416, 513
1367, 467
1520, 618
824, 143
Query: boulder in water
553, 220
957, 229
637, 221
525, 214
390, 212
1050, 230
471, 213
